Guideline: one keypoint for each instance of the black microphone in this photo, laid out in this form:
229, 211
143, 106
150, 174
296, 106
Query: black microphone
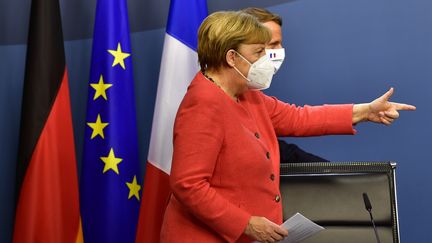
368, 207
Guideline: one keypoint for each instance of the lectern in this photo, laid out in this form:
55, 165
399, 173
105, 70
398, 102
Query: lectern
330, 194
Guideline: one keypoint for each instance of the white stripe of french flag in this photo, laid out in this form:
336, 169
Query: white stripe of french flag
178, 67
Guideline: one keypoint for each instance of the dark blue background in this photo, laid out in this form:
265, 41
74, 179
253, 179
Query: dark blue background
337, 51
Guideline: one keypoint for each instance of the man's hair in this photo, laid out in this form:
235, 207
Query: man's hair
226, 30
263, 15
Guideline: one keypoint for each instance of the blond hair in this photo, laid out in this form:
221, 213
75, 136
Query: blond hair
225, 30
263, 15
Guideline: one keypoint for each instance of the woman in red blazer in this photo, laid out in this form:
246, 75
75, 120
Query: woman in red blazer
225, 168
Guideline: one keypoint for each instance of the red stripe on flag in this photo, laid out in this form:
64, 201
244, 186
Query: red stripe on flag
48, 206
154, 201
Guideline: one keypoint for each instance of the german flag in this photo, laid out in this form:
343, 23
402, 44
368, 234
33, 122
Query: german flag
47, 184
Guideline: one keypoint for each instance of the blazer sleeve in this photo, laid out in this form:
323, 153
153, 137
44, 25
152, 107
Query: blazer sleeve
290, 120
198, 138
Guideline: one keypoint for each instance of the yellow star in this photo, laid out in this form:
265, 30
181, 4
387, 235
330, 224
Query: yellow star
134, 188
119, 56
111, 162
100, 88
97, 127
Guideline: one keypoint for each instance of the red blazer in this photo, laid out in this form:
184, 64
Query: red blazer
225, 165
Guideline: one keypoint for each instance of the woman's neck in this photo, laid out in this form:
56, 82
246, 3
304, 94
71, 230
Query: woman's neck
224, 82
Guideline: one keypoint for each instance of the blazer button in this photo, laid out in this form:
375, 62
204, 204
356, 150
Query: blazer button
272, 177
257, 135
277, 198
268, 155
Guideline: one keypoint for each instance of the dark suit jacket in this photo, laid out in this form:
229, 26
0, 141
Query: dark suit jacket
291, 153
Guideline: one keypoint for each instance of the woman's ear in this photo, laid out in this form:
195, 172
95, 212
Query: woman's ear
230, 56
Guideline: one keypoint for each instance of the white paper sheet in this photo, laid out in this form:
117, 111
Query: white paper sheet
299, 228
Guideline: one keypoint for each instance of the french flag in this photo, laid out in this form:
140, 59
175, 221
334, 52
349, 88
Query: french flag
178, 67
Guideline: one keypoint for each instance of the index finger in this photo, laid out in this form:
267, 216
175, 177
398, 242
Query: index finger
401, 106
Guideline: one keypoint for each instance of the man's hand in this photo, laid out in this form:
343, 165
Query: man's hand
263, 230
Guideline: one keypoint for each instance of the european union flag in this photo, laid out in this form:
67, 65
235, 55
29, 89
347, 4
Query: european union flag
110, 177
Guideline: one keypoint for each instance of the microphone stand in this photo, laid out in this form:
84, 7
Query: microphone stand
368, 207
374, 227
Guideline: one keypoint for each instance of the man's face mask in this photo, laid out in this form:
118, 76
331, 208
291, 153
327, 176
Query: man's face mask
260, 73
276, 56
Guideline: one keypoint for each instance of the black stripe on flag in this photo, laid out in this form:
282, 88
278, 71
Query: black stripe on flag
43, 75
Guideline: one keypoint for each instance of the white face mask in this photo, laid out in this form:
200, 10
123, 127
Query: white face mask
260, 73
276, 56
